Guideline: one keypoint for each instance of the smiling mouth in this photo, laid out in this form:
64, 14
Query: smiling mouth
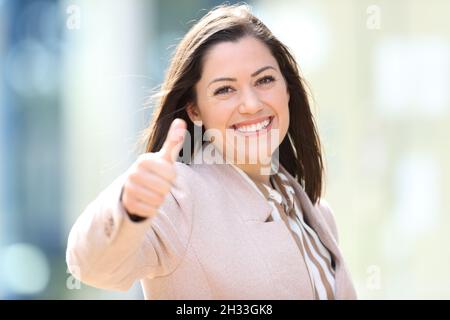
255, 127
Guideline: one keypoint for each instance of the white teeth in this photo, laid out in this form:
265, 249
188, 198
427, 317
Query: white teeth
254, 127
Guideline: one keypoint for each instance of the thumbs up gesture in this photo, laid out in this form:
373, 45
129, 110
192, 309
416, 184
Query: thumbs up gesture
151, 177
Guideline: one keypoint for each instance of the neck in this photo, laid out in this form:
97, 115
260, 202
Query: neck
254, 171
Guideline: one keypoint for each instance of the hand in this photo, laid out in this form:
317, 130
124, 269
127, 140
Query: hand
151, 177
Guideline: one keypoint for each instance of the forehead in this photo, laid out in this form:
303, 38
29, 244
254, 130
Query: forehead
233, 58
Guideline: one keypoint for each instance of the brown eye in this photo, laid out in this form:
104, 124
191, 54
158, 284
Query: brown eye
223, 90
266, 80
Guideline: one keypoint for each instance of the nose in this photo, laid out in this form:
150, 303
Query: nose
250, 102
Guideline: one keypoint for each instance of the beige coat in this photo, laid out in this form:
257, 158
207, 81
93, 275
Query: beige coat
209, 241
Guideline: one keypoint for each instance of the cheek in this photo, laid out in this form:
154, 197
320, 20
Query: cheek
281, 106
280, 102
218, 114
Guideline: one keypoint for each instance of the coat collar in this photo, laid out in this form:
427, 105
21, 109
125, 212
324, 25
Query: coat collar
211, 156
316, 220
230, 177
259, 210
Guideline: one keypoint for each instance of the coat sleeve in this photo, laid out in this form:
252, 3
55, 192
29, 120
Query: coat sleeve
328, 214
107, 250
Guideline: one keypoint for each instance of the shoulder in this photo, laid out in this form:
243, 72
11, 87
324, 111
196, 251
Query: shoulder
183, 170
187, 175
189, 180
326, 211
191, 185
197, 173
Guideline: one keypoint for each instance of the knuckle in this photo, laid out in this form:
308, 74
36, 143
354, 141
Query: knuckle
161, 198
145, 209
152, 212
132, 207
127, 186
156, 199
162, 162
128, 194
172, 178
165, 188
134, 177
125, 200
144, 161
142, 164
132, 192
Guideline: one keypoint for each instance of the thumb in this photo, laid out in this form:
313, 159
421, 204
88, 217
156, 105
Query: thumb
174, 140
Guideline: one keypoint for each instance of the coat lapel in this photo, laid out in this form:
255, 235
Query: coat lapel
344, 287
257, 209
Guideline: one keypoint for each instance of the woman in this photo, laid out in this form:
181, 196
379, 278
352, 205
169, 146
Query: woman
241, 219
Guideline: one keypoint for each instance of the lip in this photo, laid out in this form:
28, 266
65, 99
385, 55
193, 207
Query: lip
250, 122
259, 132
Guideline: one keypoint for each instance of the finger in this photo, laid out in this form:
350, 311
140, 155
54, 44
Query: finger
151, 182
174, 140
145, 195
159, 166
140, 208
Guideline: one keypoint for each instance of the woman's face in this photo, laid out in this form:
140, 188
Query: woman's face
243, 96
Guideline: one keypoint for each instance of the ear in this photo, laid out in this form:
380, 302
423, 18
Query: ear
193, 113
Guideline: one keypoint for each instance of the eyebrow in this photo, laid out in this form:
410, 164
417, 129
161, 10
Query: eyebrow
254, 74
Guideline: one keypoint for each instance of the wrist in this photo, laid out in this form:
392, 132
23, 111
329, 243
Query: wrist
133, 217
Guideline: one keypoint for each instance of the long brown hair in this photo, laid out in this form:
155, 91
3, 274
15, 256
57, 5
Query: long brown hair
300, 150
